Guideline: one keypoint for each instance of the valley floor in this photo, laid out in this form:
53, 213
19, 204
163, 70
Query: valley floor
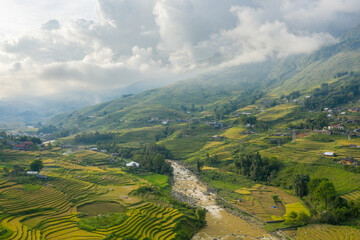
220, 223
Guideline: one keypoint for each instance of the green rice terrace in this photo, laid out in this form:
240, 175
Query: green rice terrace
77, 201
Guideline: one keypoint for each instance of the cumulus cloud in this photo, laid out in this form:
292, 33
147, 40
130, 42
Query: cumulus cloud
51, 25
157, 40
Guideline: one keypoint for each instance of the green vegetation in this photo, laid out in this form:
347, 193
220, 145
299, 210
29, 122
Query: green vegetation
157, 179
102, 222
36, 165
334, 94
256, 167
31, 187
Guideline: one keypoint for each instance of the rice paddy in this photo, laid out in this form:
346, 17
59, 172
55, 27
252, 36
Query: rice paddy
52, 208
268, 203
329, 232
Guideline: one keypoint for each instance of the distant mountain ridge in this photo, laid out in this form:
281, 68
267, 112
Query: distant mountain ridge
201, 94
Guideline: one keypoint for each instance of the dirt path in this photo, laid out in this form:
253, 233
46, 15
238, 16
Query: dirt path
220, 224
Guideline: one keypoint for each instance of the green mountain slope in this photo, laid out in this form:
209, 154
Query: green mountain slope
171, 102
306, 72
198, 97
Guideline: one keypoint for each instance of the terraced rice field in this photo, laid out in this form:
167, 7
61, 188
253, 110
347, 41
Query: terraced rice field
149, 221
258, 200
328, 232
352, 196
52, 208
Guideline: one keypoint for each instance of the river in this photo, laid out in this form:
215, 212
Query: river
220, 223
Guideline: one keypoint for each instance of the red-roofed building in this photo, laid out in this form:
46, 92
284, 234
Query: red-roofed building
338, 127
21, 146
28, 143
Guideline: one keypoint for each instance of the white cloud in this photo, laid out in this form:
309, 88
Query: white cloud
51, 25
67, 49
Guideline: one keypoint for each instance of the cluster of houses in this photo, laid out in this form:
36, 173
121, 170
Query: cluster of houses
344, 161
168, 121
350, 161
330, 112
23, 145
339, 129
355, 109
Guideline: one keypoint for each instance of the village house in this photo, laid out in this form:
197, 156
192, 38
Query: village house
336, 127
279, 134
248, 132
349, 161
217, 138
20, 146
329, 154
28, 143
152, 119
132, 164
324, 132
354, 109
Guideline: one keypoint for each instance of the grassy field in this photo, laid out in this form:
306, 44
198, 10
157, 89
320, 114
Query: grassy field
157, 179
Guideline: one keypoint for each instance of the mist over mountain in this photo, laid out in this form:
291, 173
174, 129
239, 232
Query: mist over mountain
271, 78
69, 54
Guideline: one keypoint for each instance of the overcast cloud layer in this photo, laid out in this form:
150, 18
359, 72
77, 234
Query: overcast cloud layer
87, 46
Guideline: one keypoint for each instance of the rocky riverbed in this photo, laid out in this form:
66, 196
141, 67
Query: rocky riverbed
220, 223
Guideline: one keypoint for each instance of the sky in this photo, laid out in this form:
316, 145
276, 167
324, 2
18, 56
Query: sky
68, 49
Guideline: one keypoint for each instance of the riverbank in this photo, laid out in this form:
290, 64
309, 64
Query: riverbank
220, 223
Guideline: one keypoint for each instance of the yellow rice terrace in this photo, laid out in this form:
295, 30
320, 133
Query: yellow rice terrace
69, 199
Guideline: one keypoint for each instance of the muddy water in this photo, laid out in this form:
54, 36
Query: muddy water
220, 223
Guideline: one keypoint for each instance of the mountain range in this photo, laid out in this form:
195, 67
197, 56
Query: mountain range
199, 96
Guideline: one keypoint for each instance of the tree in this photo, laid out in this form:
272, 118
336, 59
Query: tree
290, 218
256, 167
294, 218
325, 192
314, 183
199, 165
36, 165
159, 163
300, 184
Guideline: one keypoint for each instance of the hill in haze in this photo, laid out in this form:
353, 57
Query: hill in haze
198, 97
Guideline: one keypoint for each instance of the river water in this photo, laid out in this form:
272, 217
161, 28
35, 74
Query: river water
220, 224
